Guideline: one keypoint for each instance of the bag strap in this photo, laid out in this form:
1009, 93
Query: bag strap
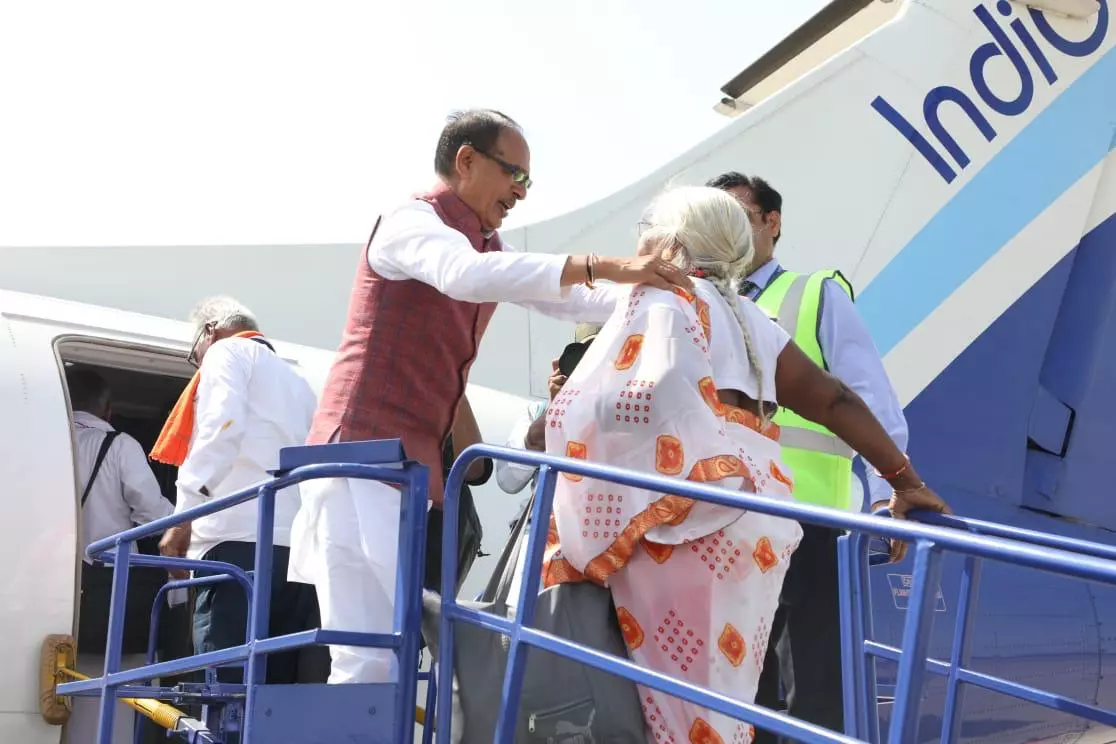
499, 583
105, 444
263, 341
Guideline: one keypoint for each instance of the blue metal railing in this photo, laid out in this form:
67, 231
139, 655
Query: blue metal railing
384, 461
379, 460
1066, 556
978, 540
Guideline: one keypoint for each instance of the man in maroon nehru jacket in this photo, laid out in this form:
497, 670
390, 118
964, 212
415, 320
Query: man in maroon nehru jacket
426, 286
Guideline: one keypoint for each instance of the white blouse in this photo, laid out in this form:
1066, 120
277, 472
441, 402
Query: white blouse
731, 368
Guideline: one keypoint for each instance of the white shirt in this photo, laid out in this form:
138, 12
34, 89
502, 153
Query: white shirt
412, 242
250, 404
732, 369
510, 476
125, 493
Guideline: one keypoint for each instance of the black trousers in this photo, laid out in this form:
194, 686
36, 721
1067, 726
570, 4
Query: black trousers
96, 593
221, 617
804, 653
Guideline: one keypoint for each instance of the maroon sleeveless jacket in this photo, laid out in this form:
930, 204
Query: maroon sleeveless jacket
405, 355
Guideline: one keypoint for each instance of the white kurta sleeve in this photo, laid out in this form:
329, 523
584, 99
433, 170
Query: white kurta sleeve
138, 485
413, 243
221, 410
581, 304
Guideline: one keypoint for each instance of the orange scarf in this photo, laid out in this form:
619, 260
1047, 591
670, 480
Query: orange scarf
174, 440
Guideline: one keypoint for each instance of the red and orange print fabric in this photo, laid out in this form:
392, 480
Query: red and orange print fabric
695, 584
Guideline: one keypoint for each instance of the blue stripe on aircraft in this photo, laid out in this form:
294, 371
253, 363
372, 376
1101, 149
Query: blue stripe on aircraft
1062, 144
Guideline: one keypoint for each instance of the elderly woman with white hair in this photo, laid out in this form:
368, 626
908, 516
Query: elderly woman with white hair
684, 384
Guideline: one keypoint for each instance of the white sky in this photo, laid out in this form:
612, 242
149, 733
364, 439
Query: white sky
148, 123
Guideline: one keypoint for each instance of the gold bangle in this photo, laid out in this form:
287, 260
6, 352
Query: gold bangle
589, 273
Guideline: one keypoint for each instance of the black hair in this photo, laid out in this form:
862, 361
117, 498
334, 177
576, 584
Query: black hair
477, 127
88, 391
763, 194
730, 180
765, 197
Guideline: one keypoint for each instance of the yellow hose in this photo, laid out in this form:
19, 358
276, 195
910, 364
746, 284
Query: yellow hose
58, 653
165, 715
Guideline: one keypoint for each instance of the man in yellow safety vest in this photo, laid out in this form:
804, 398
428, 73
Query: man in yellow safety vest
817, 310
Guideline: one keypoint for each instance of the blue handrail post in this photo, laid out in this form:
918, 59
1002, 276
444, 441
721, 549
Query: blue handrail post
960, 655
431, 702
115, 641
407, 619
444, 672
864, 699
528, 601
850, 679
869, 711
255, 671
260, 616
916, 642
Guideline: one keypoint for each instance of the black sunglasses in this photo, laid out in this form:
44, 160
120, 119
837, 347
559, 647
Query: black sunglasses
518, 175
192, 357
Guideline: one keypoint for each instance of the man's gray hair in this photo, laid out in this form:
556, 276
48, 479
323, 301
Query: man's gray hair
224, 313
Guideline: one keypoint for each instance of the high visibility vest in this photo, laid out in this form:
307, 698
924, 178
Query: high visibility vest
820, 461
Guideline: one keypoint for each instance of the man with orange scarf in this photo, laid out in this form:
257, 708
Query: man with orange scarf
243, 405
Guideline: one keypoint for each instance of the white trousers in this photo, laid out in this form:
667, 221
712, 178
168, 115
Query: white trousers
345, 541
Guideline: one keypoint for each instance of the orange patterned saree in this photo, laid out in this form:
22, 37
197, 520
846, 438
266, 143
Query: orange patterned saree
695, 584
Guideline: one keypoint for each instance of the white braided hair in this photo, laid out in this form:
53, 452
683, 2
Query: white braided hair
698, 227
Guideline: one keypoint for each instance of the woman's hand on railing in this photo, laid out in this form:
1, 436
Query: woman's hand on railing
922, 497
902, 502
175, 543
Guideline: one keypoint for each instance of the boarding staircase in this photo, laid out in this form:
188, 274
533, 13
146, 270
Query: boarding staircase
385, 713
